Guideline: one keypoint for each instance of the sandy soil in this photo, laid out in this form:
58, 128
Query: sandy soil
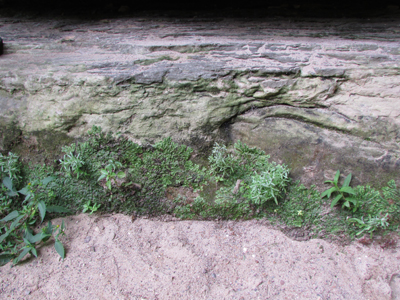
117, 257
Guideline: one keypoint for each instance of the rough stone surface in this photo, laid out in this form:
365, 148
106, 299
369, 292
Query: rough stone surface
319, 95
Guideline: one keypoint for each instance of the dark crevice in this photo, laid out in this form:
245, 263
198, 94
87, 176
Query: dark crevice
297, 118
310, 122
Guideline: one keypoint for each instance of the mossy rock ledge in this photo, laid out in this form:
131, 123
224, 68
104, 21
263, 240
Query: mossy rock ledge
319, 96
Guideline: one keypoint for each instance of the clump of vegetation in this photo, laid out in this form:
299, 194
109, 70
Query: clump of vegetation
247, 182
364, 209
9, 167
17, 238
302, 207
118, 175
108, 173
112, 174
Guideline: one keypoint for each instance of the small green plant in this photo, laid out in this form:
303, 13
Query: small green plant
242, 162
342, 193
109, 174
18, 239
222, 163
73, 164
9, 167
92, 208
370, 225
269, 184
258, 179
9, 172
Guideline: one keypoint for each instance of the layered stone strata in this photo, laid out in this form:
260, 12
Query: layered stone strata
317, 95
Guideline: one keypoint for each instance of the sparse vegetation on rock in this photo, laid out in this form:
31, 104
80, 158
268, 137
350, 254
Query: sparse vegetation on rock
112, 174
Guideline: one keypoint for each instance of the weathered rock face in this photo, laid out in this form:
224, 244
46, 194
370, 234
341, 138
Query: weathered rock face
318, 96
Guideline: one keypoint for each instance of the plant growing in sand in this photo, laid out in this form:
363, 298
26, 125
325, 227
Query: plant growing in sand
17, 238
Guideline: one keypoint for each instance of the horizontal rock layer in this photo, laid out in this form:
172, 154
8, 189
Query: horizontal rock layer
318, 96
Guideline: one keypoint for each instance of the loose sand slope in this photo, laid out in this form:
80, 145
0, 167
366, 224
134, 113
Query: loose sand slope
113, 257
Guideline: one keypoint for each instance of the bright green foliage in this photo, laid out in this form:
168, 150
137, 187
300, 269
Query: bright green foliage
108, 173
222, 163
165, 165
261, 180
73, 164
371, 224
9, 167
171, 162
5, 201
377, 211
229, 166
9, 176
17, 238
246, 181
344, 193
93, 208
269, 184
67, 191
367, 199
373, 211
16, 228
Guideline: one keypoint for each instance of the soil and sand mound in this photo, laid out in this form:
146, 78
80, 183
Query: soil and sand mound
119, 257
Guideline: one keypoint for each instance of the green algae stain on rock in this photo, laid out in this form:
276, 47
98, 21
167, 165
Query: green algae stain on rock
314, 153
10, 136
39, 147
295, 119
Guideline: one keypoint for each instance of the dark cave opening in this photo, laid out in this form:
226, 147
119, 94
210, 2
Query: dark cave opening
191, 9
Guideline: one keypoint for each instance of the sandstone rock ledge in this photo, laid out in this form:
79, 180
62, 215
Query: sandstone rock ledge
317, 95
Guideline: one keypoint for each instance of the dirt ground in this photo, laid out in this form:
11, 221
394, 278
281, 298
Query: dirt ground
118, 257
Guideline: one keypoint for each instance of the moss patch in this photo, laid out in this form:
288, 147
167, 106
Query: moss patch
41, 147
